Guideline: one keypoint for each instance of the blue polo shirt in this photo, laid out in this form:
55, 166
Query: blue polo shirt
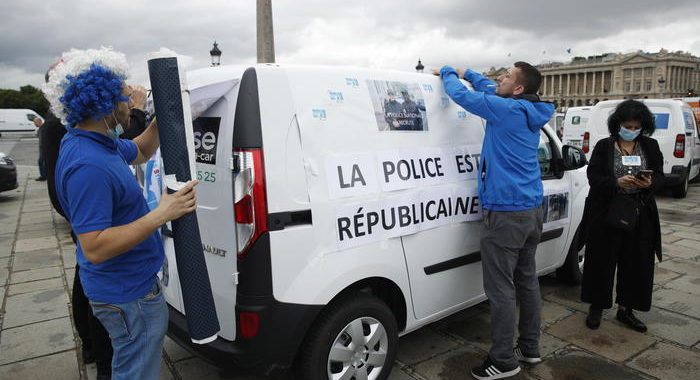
97, 190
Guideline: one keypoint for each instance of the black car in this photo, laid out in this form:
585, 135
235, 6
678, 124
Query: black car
8, 173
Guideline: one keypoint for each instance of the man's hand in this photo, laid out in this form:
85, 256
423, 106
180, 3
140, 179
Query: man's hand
177, 204
138, 97
436, 72
460, 72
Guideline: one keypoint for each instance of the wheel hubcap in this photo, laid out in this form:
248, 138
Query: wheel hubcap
359, 351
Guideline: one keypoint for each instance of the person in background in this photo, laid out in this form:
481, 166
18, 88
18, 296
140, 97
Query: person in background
614, 177
118, 249
41, 162
511, 194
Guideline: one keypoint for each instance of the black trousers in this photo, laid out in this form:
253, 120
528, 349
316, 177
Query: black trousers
627, 255
91, 332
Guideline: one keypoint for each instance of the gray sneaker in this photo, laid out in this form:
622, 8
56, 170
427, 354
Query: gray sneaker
526, 358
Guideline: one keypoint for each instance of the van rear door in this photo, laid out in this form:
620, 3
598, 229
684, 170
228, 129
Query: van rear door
213, 134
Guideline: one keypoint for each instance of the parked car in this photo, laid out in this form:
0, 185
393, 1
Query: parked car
676, 133
327, 234
575, 121
8, 173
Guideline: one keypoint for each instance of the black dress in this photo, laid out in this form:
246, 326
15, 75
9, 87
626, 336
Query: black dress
631, 253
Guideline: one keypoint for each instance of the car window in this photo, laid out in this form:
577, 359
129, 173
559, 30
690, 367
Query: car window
544, 156
31, 116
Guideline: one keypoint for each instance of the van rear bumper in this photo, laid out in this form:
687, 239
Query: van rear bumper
677, 175
281, 332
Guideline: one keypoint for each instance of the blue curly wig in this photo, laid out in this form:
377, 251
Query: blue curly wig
92, 94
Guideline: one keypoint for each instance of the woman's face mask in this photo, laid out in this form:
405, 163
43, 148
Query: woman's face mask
629, 130
629, 134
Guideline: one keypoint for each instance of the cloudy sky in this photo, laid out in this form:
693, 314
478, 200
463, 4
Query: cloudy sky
387, 34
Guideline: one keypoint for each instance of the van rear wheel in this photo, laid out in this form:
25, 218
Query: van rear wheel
571, 272
681, 190
354, 338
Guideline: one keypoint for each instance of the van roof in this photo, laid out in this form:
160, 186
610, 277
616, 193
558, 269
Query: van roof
670, 102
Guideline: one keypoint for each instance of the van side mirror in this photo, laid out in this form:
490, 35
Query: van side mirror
573, 157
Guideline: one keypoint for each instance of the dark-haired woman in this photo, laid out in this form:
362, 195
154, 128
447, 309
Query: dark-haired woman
617, 185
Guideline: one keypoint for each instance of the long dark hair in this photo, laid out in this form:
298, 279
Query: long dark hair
631, 110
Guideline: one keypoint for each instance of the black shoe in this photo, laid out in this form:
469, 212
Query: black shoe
104, 370
88, 355
526, 357
627, 317
489, 370
593, 318
40, 179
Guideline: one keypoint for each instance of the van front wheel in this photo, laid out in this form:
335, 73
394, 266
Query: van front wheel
355, 338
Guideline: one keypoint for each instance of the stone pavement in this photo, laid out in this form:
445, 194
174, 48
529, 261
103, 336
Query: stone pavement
38, 339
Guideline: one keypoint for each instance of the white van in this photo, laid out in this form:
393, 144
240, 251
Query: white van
676, 133
575, 121
17, 121
328, 234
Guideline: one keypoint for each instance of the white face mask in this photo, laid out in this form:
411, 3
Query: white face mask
115, 132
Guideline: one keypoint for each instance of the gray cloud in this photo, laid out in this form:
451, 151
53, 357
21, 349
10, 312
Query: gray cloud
385, 34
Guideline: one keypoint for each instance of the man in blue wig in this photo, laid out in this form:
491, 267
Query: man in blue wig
118, 250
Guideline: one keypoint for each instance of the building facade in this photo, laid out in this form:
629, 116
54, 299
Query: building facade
586, 81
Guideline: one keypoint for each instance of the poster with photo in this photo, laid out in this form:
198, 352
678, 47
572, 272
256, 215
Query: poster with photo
398, 106
556, 208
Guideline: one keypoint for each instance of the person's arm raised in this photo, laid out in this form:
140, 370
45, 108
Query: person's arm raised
102, 245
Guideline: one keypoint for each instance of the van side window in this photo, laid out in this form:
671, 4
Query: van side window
544, 156
31, 116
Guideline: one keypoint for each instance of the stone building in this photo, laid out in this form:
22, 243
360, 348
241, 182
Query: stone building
585, 81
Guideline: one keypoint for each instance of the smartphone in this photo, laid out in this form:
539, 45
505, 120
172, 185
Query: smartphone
644, 173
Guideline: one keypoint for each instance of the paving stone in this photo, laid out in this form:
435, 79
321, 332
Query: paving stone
580, 365
175, 351
610, 340
688, 235
569, 296
688, 243
671, 326
456, 365
33, 286
35, 234
35, 274
4, 274
677, 251
70, 277
552, 312
668, 239
687, 283
680, 228
36, 259
35, 340
663, 275
35, 217
666, 361
475, 330
36, 243
675, 300
62, 366
550, 344
681, 266
33, 307
398, 374
68, 257
423, 344
35, 227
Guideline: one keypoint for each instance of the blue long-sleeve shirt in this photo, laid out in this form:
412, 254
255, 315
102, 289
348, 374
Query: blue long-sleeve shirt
510, 179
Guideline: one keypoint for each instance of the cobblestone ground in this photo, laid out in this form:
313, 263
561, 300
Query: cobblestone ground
38, 339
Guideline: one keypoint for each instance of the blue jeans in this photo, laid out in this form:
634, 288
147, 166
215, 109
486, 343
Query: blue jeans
137, 330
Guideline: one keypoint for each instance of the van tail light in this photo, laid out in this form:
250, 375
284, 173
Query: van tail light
250, 204
679, 148
586, 146
249, 324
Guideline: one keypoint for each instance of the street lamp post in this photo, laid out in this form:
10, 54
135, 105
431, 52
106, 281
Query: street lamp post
419, 66
662, 82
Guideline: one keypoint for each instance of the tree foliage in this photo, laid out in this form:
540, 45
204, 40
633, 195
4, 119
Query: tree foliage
27, 97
